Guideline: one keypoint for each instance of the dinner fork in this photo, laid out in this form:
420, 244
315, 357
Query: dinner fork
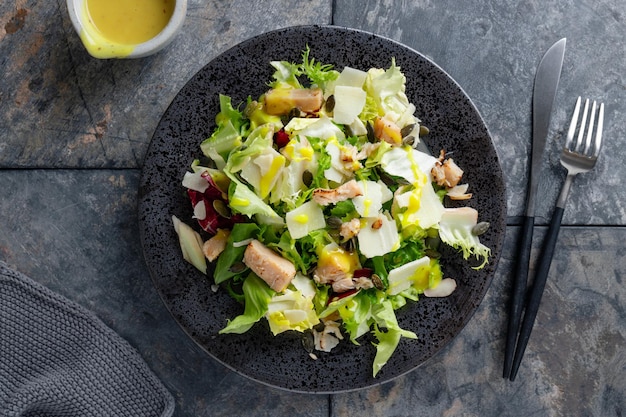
577, 157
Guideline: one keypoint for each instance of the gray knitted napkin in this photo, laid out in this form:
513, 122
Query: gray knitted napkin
58, 359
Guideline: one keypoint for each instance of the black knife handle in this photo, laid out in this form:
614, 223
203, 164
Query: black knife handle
519, 291
539, 284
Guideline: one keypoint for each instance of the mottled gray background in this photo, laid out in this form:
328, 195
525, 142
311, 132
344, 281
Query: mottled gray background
74, 130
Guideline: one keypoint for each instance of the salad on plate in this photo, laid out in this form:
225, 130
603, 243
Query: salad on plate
317, 211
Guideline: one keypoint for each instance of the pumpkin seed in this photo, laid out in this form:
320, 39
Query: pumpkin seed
424, 130
432, 254
371, 137
237, 267
378, 282
408, 140
349, 245
406, 130
249, 109
432, 242
295, 112
330, 104
480, 228
386, 178
403, 181
308, 341
307, 178
221, 208
334, 222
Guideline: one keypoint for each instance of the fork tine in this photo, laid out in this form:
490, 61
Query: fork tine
572, 125
598, 142
583, 124
592, 118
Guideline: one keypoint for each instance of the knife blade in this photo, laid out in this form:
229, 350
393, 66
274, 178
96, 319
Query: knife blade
544, 92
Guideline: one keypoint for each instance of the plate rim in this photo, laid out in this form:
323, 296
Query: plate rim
494, 259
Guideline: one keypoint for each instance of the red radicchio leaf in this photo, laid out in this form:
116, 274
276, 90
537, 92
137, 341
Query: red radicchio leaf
340, 295
213, 219
213, 192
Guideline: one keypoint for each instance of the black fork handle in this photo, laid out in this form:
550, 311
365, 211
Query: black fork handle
519, 291
538, 286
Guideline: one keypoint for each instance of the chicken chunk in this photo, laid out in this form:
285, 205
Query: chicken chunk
326, 196
350, 229
280, 101
336, 267
388, 131
272, 268
213, 247
446, 173
343, 285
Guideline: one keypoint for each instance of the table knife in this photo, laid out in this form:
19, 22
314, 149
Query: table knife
544, 92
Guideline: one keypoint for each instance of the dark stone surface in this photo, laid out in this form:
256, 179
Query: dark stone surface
492, 50
59, 107
76, 232
575, 359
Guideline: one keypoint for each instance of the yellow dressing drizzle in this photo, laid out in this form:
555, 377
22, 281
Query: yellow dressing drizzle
335, 255
268, 180
241, 202
301, 218
307, 153
420, 277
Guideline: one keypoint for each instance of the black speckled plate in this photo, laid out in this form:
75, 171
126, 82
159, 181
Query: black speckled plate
281, 361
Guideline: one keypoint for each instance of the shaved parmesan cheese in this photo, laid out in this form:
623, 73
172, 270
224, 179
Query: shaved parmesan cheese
304, 284
375, 194
264, 171
377, 242
357, 127
422, 208
199, 210
195, 181
408, 163
351, 77
337, 172
400, 278
304, 219
349, 102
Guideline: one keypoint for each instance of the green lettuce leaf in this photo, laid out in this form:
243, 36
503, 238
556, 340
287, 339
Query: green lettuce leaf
455, 229
227, 135
257, 297
386, 88
286, 74
319, 74
356, 315
232, 254
388, 333
292, 310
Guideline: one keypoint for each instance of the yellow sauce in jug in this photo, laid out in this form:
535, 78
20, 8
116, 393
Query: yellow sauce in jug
116, 26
